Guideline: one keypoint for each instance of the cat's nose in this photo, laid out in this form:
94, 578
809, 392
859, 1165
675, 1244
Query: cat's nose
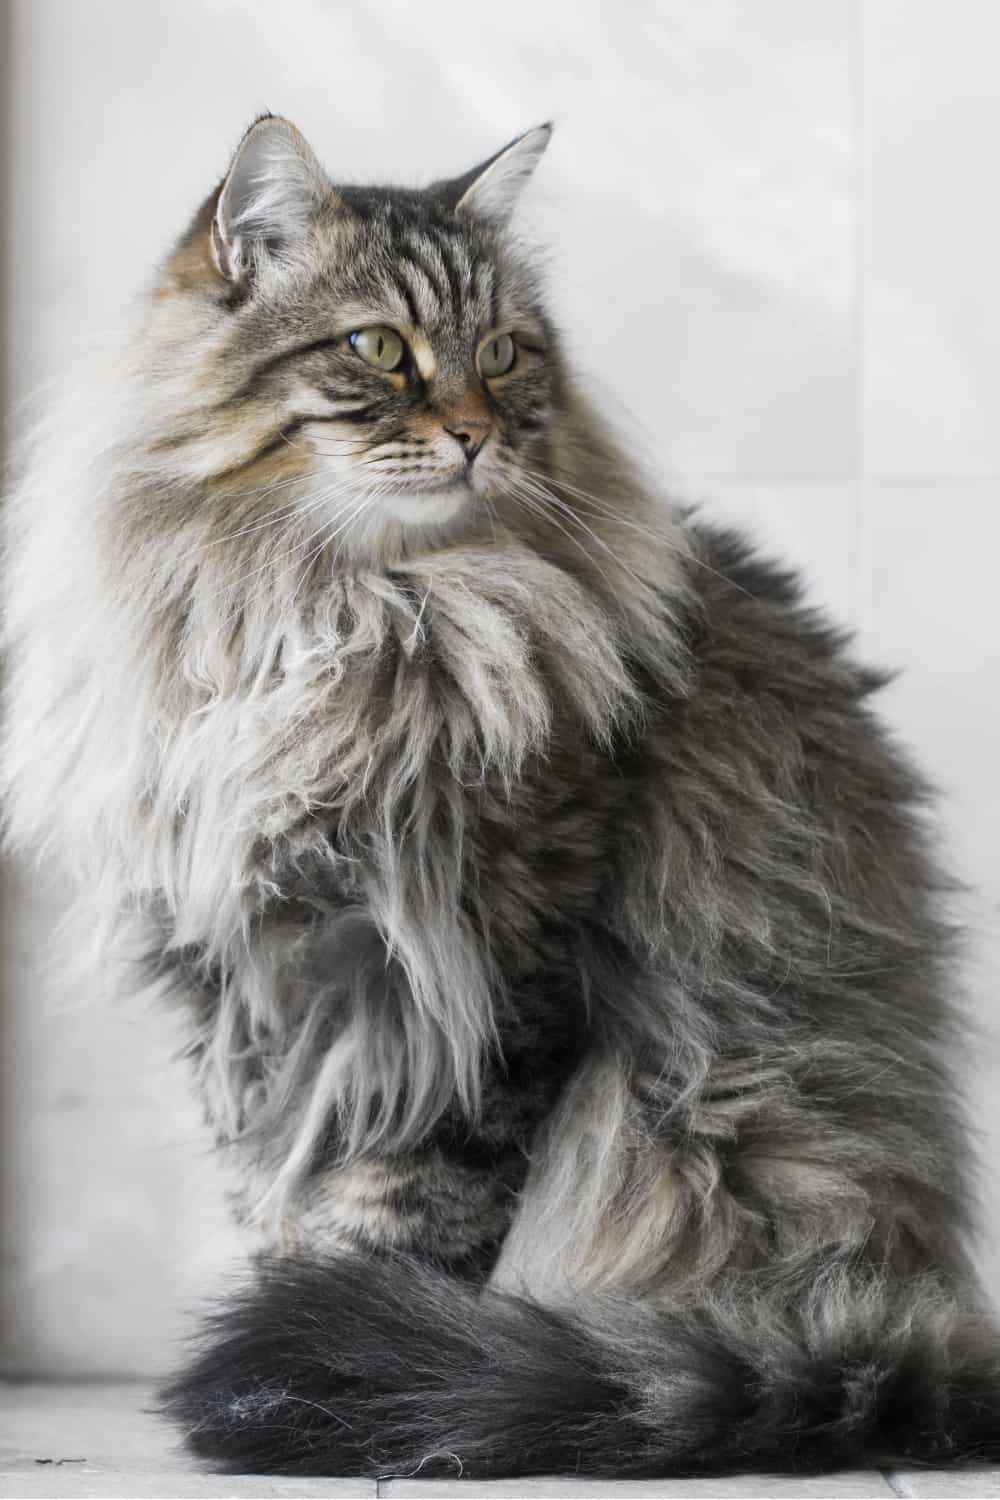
470, 434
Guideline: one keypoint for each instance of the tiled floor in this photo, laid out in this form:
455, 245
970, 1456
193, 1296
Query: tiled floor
83, 1440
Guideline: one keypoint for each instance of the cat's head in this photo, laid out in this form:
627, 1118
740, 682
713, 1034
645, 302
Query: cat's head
387, 349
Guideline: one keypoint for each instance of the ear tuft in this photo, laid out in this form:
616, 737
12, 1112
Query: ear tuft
491, 190
271, 192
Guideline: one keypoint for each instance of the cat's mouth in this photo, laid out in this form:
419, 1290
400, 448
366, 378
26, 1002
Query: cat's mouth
432, 484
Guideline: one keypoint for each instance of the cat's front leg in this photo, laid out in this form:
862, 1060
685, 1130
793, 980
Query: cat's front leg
334, 1102
437, 1204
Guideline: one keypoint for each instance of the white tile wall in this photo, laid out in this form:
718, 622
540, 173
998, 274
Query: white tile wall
774, 231
931, 609
931, 237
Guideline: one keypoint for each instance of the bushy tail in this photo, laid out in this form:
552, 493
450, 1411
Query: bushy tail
352, 1366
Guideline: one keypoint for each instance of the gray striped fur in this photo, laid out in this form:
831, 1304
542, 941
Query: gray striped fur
552, 911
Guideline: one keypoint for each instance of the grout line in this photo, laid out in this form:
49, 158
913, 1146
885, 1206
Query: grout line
931, 480
687, 479
705, 483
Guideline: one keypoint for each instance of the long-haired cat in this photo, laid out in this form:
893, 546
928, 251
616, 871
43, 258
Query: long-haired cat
566, 959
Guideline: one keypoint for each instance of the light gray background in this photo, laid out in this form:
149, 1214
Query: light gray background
776, 232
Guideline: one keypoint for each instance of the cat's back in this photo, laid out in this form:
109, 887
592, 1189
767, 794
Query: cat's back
769, 805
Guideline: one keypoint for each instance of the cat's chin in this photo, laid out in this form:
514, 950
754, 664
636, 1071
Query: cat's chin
431, 507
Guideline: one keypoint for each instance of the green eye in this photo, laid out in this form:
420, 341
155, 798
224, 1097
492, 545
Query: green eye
381, 347
497, 356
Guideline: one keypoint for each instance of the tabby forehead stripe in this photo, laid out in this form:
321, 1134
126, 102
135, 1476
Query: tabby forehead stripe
448, 249
404, 290
414, 259
484, 288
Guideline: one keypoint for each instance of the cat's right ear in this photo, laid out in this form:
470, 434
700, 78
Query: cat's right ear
271, 192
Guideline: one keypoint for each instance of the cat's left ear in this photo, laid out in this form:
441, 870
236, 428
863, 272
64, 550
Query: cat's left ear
491, 190
271, 192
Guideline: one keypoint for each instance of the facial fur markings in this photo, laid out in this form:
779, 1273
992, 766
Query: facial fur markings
412, 258
282, 358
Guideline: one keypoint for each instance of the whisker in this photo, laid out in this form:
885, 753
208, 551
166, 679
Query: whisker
545, 499
600, 507
281, 514
296, 553
567, 510
376, 495
331, 494
345, 443
367, 501
532, 504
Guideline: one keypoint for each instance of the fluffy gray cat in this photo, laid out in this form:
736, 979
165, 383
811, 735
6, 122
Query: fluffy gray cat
566, 958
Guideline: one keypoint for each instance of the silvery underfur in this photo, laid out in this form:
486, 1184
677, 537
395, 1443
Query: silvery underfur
565, 958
